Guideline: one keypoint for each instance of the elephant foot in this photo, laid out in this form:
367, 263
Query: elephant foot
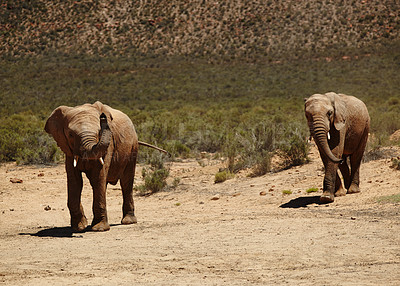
101, 226
341, 192
79, 225
326, 197
129, 219
353, 189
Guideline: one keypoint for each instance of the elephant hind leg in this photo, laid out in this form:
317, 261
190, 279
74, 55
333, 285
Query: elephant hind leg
355, 181
128, 206
355, 161
345, 171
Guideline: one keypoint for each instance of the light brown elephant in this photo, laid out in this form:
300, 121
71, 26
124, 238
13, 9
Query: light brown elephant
102, 143
339, 124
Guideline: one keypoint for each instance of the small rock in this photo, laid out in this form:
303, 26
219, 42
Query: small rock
263, 193
271, 190
40, 174
251, 186
16, 181
47, 208
216, 197
236, 194
353, 218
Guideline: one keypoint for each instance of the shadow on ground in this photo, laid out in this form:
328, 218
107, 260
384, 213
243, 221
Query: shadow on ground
54, 232
60, 232
302, 202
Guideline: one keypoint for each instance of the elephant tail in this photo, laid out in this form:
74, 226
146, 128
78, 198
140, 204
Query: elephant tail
154, 147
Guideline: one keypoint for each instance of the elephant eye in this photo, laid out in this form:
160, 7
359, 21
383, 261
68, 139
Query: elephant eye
330, 112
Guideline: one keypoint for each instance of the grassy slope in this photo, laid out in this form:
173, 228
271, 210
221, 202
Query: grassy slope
228, 68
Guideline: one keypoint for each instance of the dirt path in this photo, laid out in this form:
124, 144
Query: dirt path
184, 237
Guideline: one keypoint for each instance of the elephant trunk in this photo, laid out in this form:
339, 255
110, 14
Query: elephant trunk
93, 149
320, 133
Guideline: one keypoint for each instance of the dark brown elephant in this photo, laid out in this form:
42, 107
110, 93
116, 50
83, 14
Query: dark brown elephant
102, 143
339, 124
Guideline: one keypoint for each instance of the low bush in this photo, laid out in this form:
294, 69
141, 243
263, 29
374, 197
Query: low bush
155, 176
293, 146
222, 176
246, 112
22, 139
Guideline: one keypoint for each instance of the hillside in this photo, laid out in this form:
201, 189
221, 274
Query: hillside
234, 28
195, 76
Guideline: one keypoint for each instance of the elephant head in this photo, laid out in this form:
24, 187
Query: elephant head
324, 112
82, 132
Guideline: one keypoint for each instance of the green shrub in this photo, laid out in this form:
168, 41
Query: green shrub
293, 146
251, 147
155, 176
22, 139
395, 163
287, 192
178, 149
222, 176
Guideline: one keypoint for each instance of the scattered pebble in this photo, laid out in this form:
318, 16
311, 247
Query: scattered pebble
47, 208
263, 193
236, 194
216, 197
40, 174
16, 181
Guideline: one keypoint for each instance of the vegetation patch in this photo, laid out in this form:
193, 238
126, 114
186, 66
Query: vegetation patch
312, 190
222, 176
155, 177
389, 199
244, 111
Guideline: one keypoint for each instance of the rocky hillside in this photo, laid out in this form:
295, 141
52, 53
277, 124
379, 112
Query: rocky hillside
231, 28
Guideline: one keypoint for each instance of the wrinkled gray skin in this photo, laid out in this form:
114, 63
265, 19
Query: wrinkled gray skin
339, 125
102, 143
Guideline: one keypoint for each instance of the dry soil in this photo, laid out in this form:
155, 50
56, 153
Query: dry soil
244, 231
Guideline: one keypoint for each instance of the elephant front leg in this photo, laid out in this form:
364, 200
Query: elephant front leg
329, 186
100, 220
75, 185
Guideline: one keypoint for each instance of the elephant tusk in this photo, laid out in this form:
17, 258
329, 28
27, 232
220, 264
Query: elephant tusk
329, 136
75, 161
101, 161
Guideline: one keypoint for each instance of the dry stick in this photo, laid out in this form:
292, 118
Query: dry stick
154, 147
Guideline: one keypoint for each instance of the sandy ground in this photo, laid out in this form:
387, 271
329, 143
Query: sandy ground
203, 233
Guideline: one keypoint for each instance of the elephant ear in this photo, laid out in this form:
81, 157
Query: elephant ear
55, 127
340, 110
104, 109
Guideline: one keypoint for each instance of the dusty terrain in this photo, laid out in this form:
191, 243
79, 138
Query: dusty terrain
203, 233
